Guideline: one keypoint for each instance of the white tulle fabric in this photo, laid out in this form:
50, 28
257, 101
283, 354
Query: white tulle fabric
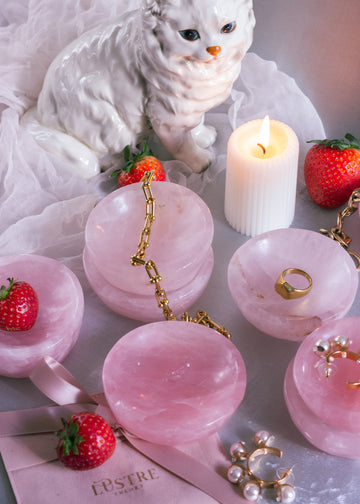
43, 205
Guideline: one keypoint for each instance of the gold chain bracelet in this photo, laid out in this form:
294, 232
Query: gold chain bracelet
338, 234
138, 259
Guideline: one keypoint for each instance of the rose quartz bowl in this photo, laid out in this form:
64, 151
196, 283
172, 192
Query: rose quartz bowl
173, 382
256, 265
180, 246
145, 307
57, 326
324, 410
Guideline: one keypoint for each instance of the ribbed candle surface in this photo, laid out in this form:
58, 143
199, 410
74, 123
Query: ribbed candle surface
260, 189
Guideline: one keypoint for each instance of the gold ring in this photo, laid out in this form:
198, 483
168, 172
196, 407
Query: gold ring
286, 290
268, 450
345, 354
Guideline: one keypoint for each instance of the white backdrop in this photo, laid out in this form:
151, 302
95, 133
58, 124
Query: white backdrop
317, 42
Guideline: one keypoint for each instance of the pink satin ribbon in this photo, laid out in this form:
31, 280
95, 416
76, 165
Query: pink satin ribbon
60, 386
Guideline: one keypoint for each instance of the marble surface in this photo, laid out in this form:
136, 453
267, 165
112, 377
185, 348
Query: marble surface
320, 478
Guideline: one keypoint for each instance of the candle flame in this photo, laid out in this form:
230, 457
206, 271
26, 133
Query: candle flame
264, 135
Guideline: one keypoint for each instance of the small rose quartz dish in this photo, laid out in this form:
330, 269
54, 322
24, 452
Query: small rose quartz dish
145, 307
256, 265
173, 382
324, 410
57, 326
180, 246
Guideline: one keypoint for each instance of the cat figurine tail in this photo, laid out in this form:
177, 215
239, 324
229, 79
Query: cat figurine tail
66, 147
160, 67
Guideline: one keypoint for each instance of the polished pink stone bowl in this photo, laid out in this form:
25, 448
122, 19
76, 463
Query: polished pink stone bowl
180, 245
181, 235
173, 382
61, 308
323, 409
256, 265
145, 307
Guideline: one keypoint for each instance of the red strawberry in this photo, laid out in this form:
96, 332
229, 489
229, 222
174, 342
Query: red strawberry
85, 442
19, 306
136, 165
332, 170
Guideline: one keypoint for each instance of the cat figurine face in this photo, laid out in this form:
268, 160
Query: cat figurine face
221, 28
159, 67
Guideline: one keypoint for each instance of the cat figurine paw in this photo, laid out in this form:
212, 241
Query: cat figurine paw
160, 67
204, 135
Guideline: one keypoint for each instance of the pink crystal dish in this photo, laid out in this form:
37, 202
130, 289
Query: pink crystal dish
173, 382
145, 308
180, 246
324, 410
61, 307
256, 265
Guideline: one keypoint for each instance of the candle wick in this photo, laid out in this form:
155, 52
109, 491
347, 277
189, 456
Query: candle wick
262, 147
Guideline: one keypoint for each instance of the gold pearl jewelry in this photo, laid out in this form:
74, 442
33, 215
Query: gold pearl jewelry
242, 470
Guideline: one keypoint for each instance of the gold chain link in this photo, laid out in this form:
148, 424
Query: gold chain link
338, 234
143, 244
155, 278
203, 318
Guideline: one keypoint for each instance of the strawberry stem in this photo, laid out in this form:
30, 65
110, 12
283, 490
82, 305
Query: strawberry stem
130, 158
350, 142
69, 437
4, 291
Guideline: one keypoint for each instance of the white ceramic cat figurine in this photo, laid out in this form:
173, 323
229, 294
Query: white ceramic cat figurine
160, 67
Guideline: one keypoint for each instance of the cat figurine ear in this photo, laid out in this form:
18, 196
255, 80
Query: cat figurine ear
153, 6
162, 67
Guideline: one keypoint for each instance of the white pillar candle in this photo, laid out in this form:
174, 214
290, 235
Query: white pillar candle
260, 186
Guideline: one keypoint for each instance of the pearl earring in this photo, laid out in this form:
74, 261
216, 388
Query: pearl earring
241, 471
336, 348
